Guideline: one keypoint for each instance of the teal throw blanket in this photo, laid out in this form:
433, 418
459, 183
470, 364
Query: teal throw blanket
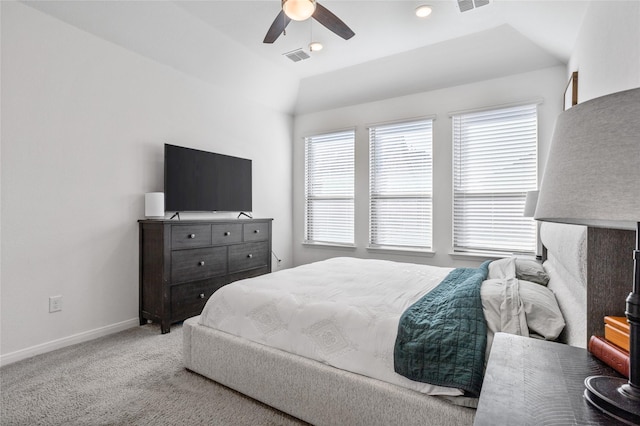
443, 336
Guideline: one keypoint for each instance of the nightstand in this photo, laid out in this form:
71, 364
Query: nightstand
536, 382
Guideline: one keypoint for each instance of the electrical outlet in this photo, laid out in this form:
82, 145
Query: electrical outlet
55, 303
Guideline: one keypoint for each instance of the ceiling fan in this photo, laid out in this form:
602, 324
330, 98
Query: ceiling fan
299, 10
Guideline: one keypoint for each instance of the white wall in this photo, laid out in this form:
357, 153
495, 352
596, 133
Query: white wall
83, 127
492, 53
546, 84
607, 52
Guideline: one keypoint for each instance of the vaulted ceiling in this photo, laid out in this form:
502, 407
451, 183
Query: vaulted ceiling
393, 52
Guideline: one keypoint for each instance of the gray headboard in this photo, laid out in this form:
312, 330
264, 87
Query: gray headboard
591, 271
566, 263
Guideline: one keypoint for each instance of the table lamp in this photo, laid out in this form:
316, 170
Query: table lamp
592, 178
530, 203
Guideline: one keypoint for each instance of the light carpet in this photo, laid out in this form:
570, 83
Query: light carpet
135, 377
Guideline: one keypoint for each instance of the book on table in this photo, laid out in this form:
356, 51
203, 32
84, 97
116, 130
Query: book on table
616, 331
612, 355
621, 323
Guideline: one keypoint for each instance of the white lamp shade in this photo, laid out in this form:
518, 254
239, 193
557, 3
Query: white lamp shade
154, 204
530, 203
299, 10
592, 176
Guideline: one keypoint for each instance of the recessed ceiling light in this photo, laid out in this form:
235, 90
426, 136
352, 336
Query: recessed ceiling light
315, 46
423, 11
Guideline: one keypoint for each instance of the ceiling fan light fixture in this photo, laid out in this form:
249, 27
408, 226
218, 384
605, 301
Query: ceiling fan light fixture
299, 10
315, 46
423, 11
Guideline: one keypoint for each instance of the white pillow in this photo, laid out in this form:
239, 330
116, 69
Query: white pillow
539, 303
502, 268
541, 307
531, 270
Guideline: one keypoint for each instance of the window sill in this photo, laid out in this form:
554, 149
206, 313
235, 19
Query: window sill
479, 255
402, 251
329, 245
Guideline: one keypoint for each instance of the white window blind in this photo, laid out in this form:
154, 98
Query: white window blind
400, 188
329, 183
495, 164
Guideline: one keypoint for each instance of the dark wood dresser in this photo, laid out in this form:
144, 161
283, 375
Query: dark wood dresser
183, 262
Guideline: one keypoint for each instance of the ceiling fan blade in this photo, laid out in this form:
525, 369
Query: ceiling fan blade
332, 22
277, 28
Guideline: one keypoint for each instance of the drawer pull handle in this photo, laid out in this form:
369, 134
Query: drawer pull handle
192, 235
249, 255
256, 231
226, 234
201, 296
201, 263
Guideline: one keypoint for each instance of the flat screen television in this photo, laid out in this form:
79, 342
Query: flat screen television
201, 181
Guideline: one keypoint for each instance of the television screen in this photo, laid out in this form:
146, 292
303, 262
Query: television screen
199, 181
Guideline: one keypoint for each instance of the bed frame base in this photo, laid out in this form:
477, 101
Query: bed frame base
307, 389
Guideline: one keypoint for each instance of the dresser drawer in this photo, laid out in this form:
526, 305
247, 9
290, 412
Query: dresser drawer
197, 264
226, 233
248, 256
190, 236
249, 273
256, 231
188, 300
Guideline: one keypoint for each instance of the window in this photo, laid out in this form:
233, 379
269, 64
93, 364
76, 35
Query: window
329, 188
400, 196
495, 164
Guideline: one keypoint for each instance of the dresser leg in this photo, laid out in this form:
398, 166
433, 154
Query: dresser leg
165, 327
143, 321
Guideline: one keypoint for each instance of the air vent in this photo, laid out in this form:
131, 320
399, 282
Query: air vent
466, 5
297, 55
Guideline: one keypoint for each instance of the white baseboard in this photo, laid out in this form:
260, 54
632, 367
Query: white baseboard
67, 341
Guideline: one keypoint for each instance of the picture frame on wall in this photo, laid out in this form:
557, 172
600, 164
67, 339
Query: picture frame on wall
571, 92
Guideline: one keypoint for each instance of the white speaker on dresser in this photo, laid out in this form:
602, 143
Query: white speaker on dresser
154, 205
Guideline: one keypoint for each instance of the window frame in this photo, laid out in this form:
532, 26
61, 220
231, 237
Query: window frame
346, 136
387, 137
511, 211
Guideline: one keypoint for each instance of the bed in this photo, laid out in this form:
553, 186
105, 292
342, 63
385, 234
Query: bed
332, 373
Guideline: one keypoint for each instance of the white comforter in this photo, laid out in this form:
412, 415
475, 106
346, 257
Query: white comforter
343, 312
